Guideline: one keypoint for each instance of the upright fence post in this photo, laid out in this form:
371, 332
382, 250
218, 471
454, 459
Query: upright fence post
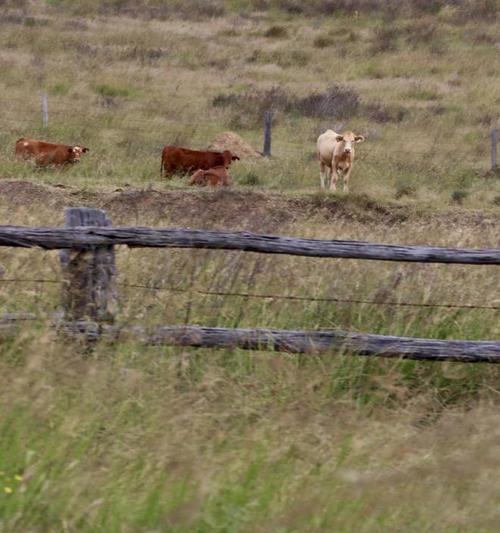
268, 117
494, 133
45, 110
89, 291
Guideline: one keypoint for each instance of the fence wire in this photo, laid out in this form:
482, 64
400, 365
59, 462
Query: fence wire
190, 290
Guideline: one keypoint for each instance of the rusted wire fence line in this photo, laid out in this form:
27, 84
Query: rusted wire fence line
288, 297
90, 295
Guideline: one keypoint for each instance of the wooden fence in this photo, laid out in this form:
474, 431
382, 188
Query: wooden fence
89, 298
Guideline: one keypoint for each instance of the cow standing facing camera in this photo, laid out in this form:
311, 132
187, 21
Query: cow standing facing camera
336, 155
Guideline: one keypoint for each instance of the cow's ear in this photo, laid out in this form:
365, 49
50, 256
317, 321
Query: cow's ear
70, 150
359, 138
339, 138
235, 157
85, 149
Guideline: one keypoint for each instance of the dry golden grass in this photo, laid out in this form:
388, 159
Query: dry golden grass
128, 438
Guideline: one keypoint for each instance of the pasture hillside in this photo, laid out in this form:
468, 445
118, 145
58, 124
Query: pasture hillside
130, 438
422, 89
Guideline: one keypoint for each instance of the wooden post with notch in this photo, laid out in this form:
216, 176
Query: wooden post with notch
89, 291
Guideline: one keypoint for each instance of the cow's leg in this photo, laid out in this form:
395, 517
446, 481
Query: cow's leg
334, 178
323, 169
347, 174
328, 176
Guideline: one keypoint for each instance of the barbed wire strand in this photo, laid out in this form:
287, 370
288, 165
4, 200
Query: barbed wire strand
275, 296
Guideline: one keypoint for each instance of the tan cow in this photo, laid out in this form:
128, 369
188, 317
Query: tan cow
336, 154
217, 176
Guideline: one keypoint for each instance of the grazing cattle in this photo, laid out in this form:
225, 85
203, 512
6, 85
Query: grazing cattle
176, 159
45, 154
336, 154
215, 177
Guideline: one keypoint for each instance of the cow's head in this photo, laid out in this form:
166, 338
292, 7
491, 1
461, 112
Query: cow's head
228, 157
349, 139
75, 152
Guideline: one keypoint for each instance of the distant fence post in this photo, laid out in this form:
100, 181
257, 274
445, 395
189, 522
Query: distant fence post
494, 134
45, 110
268, 118
89, 291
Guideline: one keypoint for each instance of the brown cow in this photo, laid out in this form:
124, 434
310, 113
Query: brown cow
217, 176
45, 154
177, 159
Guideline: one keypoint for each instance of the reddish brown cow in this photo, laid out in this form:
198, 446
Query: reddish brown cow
176, 159
45, 154
215, 177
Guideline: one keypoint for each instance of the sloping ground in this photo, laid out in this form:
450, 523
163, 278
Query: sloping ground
231, 209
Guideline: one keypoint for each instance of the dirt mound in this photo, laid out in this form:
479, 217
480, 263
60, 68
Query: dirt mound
219, 209
26, 193
228, 140
231, 210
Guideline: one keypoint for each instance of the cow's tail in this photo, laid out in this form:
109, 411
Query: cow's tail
162, 168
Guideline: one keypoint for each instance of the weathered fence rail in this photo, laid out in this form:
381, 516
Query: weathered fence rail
290, 341
89, 296
91, 237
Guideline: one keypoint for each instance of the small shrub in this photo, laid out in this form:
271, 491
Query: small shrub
405, 188
335, 103
374, 71
285, 58
225, 100
417, 92
110, 91
250, 106
437, 47
290, 58
382, 114
249, 178
276, 32
323, 41
459, 196
295, 7
496, 200
59, 89
385, 39
474, 9
480, 37
422, 31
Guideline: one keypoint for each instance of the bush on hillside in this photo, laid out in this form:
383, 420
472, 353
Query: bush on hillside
335, 103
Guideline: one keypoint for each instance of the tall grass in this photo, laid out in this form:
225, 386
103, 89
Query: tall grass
131, 438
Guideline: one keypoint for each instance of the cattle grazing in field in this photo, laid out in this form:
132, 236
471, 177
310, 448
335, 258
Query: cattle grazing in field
336, 155
177, 159
215, 177
45, 154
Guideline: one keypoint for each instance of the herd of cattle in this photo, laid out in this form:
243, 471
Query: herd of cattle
335, 153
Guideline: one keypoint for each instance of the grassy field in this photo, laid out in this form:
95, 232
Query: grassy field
128, 438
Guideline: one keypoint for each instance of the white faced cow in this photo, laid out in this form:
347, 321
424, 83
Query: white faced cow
336, 154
